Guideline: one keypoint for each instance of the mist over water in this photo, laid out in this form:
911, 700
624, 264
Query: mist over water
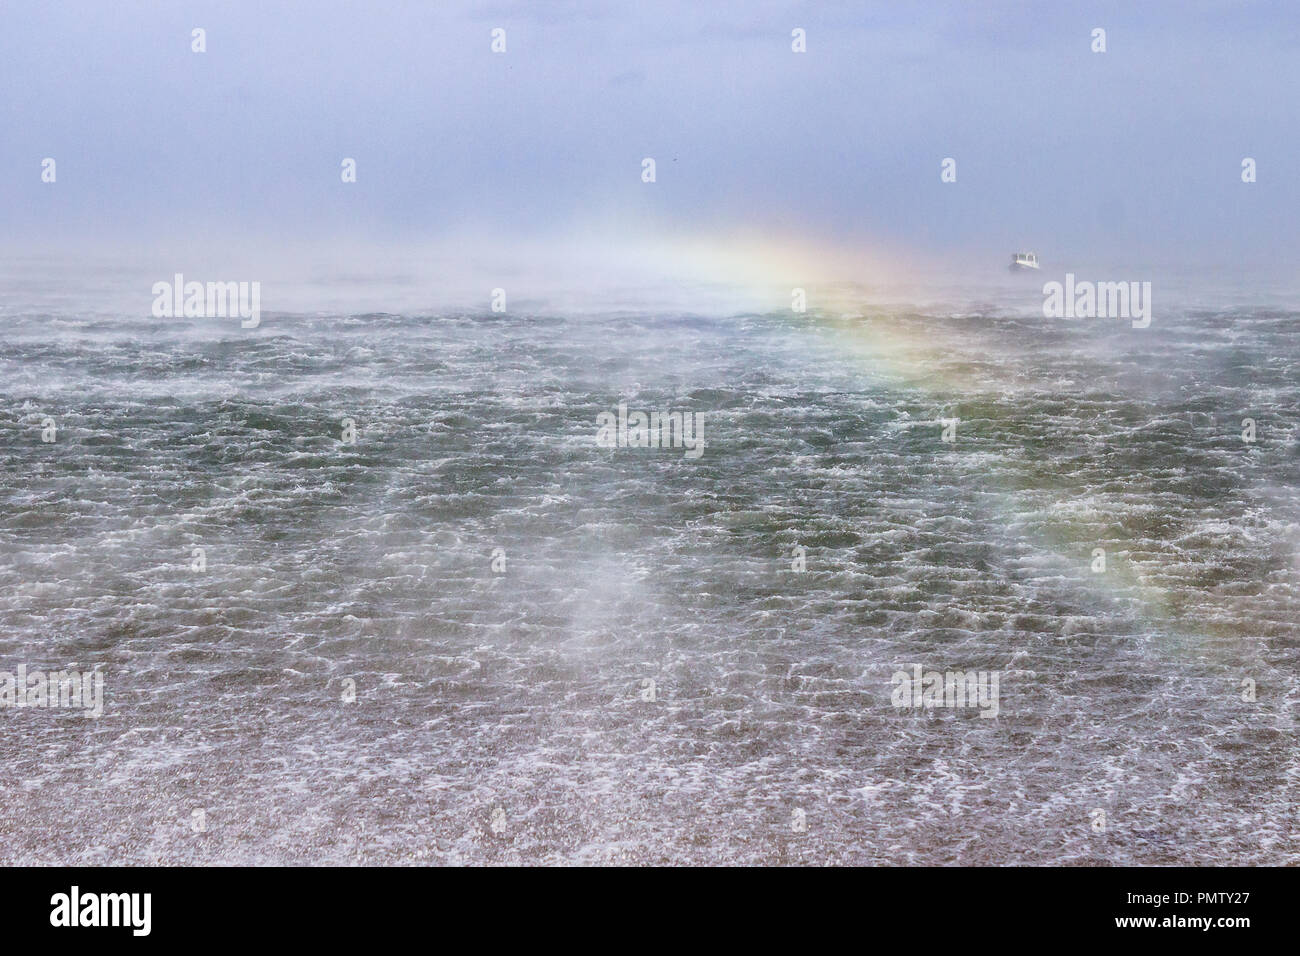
501, 717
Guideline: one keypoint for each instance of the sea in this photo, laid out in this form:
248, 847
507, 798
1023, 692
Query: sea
365, 586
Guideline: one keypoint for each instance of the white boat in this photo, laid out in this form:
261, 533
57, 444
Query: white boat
1024, 260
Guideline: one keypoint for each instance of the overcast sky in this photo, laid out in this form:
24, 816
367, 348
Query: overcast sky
1136, 151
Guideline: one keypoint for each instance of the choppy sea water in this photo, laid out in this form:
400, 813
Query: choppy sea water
501, 714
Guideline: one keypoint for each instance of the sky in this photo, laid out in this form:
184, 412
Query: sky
1131, 155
